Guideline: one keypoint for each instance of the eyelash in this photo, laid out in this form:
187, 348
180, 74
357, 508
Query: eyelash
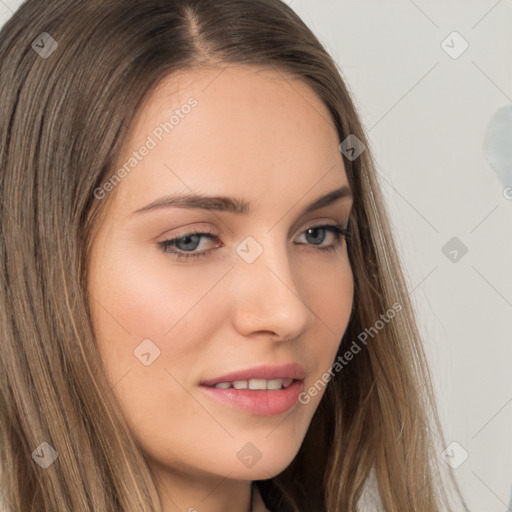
166, 245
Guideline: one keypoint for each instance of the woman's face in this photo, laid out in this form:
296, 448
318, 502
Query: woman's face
258, 289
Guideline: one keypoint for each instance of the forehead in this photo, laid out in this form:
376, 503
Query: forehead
223, 130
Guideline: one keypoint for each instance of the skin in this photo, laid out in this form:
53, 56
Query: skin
257, 135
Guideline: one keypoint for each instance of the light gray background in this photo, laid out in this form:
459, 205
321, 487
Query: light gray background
426, 114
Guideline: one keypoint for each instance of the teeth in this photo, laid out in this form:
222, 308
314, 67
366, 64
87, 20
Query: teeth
275, 384
255, 384
223, 385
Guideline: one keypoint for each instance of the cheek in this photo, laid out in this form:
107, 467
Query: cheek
328, 288
334, 298
143, 296
330, 291
151, 321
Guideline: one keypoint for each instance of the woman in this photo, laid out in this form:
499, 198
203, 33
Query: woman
202, 305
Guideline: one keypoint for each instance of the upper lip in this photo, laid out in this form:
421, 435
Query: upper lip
287, 371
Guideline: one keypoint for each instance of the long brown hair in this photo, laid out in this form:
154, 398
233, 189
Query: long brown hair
74, 73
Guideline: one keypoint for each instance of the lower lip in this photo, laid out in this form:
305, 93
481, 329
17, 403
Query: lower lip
260, 402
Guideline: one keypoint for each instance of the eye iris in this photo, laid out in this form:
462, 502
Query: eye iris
317, 230
196, 239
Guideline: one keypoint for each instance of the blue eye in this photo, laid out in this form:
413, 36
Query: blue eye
183, 247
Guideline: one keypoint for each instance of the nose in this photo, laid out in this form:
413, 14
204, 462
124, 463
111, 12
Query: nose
267, 300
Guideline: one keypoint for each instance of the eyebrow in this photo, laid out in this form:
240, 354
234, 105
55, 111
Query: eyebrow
234, 205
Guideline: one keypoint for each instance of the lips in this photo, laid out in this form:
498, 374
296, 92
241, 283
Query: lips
259, 391
285, 372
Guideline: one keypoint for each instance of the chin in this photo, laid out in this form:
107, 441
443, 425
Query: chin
267, 462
